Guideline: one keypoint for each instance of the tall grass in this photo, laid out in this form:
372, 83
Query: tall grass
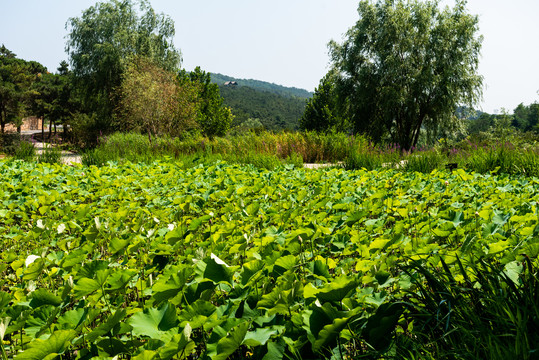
500, 158
50, 155
289, 147
353, 152
373, 157
491, 312
244, 149
25, 151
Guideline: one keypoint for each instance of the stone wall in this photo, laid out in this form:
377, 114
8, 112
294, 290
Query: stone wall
29, 123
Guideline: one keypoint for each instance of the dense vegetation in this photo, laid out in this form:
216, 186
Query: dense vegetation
153, 261
255, 109
189, 232
285, 91
404, 67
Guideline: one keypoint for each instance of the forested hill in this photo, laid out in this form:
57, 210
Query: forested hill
257, 109
258, 104
220, 80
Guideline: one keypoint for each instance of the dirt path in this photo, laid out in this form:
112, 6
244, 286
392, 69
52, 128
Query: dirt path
68, 157
318, 166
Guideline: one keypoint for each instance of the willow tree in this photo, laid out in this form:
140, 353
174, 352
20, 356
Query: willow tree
407, 65
105, 39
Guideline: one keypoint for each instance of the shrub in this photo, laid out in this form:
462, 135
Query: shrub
9, 142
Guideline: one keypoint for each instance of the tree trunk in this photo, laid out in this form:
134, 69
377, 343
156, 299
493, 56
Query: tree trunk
64, 127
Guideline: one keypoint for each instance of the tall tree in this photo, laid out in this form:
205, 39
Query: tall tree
321, 113
16, 79
105, 39
213, 117
51, 98
407, 65
533, 116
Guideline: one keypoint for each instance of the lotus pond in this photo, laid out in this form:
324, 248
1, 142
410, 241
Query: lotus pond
228, 261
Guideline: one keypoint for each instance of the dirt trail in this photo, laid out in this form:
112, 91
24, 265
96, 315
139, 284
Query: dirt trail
68, 157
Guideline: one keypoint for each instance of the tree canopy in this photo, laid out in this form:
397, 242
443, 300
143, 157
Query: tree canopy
213, 118
16, 79
152, 100
104, 40
406, 65
321, 110
51, 98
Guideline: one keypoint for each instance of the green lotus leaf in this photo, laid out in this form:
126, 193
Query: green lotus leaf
42, 297
160, 323
229, 344
105, 326
55, 345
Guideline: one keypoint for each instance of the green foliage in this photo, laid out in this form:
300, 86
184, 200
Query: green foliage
292, 148
139, 149
363, 159
16, 79
405, 66
425, 161
102, 42
275, 112
154, 102
484, 123
213, 118
484, 311
50, 155
321, 112
230, 261
9, 143
52, 98
25, 151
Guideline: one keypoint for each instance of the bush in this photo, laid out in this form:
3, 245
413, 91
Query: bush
9, 142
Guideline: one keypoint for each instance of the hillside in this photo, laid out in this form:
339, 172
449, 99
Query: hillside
260, 104
220, 80
268, 110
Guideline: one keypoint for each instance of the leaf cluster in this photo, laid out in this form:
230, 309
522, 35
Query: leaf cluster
156, 261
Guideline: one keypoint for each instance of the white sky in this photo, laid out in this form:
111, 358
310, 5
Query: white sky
285, 41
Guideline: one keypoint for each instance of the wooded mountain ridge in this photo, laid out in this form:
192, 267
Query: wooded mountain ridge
221, 79
261, 105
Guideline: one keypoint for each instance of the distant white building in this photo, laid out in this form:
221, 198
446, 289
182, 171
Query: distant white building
231, 83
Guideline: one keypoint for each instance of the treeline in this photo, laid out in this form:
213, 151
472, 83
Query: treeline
524, 118
124, 75
28, 88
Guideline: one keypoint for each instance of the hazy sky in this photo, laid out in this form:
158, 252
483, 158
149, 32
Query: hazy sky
285, 41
